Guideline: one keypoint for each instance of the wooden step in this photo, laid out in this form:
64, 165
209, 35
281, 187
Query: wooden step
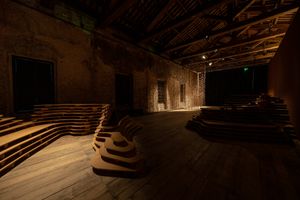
13, 152
10, 124
100, 138
14, 137
19, 141
69, 122
102, 167
22, 157
69, 105
86, 115
5, 120
68, 119
129, 162
126, 151
16, 128
112, 144
11, 149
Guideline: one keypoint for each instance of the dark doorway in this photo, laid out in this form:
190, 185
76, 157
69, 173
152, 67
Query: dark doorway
182, 93
33, 83
124, 91
161, 90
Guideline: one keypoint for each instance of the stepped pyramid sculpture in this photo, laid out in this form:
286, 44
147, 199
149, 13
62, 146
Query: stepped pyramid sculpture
116, 153
20, 139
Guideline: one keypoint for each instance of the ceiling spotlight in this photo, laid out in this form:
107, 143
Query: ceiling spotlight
206, 37
210, 64
223, 59
203, 57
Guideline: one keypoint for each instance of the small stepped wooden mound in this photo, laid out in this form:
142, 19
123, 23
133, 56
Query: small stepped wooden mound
116, 153
19, 139
265, 121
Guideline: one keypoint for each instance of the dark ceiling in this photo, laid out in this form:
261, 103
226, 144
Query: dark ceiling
198, 34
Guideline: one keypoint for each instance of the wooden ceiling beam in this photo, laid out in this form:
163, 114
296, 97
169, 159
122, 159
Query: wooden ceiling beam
249, 64
119, 11
257, 44
246, 59
236, 54
243, 31
202, 68
185, 19
233, 44
160, 15
237, 26
243, 9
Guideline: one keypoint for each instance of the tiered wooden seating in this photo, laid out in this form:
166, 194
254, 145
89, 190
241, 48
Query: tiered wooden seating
80, 119
19, 139
241, 99
278, 113
116, 153
252, 122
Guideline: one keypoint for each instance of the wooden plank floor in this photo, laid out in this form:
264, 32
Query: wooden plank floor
181, 165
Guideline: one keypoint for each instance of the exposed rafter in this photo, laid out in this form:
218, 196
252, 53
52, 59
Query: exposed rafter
160, 15
119, 11
236, 55
243, 31
182, 31
245, 59
243, 9
233, 44
257, 44
229, 66
239, 65
185, 19
237, 26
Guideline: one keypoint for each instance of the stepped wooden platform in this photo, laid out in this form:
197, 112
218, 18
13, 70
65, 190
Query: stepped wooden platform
115, 149
241, 99
20, 139
80, 119
265, 121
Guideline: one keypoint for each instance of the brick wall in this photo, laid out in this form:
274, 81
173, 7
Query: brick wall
85, 63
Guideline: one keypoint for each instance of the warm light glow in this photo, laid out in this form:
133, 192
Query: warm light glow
204, 57
185, 109
210, 64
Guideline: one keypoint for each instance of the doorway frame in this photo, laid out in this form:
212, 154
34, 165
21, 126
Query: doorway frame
11, 78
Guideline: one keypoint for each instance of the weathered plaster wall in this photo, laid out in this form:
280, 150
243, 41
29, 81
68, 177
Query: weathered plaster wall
284, 72
85, 64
